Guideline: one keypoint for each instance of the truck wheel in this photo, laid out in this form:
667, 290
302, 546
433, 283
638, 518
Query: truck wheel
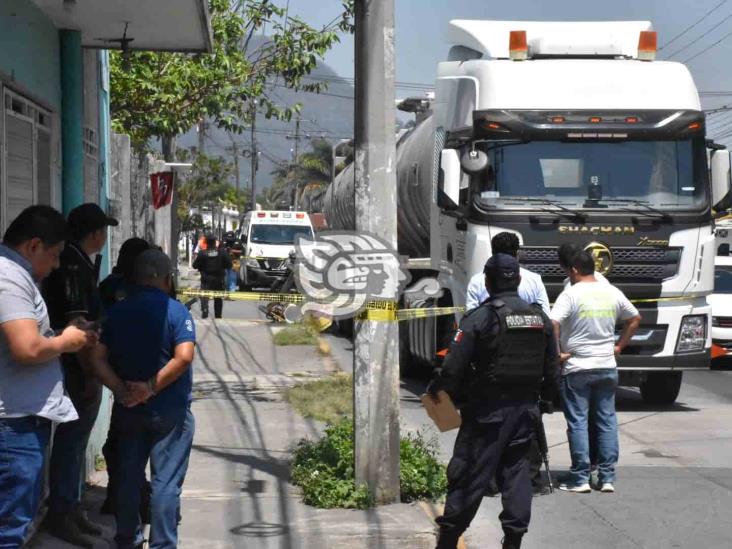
661, 388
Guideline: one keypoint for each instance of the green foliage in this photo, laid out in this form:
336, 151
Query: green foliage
297, 334
163, 94
329, 399
323, 469
421, 476
308, 174
207, 186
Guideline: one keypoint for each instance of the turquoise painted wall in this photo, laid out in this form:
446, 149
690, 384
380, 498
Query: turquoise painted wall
29, 51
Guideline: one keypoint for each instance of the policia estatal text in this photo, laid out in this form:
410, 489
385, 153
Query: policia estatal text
501, 360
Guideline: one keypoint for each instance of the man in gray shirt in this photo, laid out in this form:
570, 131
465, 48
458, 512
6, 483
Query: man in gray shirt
31, 382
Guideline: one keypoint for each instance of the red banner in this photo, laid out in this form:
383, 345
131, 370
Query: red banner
162, 189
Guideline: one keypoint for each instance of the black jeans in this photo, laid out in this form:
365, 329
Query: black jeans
70, 441
493, 445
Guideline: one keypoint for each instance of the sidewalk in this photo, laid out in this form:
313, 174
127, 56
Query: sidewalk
237, 492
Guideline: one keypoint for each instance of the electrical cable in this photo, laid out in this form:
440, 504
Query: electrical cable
701, 36
687, 29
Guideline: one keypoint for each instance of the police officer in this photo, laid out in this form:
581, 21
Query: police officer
72, 296
503, 355
212, 263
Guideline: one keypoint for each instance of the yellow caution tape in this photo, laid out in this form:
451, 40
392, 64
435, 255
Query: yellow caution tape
380, 311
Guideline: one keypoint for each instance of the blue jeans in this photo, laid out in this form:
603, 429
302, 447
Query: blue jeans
590, 396
23, 444
165, 438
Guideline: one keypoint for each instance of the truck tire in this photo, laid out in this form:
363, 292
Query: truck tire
409, 365
661, 388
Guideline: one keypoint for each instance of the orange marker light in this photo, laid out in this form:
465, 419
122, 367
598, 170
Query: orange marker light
557, 119
718, 351
300, 216
647, 45
260, 214
518, 46
595, 119
694, 126
631, 119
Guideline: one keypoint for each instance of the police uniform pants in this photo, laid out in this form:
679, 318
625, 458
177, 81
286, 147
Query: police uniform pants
493, 444
214, 285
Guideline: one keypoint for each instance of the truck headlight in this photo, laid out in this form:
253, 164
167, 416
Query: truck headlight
252, 262
693, 334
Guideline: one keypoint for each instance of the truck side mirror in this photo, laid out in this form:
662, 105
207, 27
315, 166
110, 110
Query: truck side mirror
449, 180
720, 174
474, 162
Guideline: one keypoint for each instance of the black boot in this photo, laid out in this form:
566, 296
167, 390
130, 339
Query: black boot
512, 541
65, 527
85, 525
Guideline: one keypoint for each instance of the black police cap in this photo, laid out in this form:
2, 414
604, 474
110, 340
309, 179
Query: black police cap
503, 265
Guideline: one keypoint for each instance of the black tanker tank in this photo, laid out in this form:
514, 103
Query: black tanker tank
415, 158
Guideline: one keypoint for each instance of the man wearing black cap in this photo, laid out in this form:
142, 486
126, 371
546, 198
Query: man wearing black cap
72, 296
502, 355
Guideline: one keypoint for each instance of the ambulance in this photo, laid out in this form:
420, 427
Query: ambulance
267, 239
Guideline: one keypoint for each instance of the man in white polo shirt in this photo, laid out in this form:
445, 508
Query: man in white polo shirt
584, 318
31, 382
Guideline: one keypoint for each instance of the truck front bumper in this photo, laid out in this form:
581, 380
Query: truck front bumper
687, 361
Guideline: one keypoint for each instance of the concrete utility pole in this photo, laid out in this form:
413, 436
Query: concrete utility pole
234, 150
376, 349
254, 156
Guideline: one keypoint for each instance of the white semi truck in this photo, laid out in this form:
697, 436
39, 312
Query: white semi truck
563, 132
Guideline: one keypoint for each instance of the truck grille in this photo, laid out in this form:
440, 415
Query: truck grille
722, 321
629, 264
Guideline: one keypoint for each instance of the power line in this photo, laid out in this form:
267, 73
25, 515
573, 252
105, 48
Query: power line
687, 29
703, 35
708, 47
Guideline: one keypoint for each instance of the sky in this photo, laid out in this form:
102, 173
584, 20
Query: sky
420, 27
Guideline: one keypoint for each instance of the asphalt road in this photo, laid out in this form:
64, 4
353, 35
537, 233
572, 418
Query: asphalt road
674, 486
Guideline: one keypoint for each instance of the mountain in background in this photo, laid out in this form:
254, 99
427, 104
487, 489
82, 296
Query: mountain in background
327, 115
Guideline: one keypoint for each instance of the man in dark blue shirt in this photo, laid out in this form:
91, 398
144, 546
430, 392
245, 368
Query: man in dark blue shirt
144, 357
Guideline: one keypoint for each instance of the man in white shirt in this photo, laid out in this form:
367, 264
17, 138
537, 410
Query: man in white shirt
531, 289
584, 318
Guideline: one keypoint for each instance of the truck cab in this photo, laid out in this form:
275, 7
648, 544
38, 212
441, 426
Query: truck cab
267, 239
571, 132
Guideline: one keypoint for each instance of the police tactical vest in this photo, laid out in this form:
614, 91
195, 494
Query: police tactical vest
515, 357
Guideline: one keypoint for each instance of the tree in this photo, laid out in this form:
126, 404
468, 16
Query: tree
161, 94
208, 187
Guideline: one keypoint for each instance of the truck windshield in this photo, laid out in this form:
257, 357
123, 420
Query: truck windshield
664, 175
278, 234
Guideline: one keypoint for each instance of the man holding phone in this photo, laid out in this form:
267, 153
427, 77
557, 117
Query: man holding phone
31, 385
72, 295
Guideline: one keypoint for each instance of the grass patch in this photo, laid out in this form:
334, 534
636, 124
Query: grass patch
329, 399
323, 469
297, 334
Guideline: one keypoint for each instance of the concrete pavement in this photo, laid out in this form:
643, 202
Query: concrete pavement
674, 479
237, 492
